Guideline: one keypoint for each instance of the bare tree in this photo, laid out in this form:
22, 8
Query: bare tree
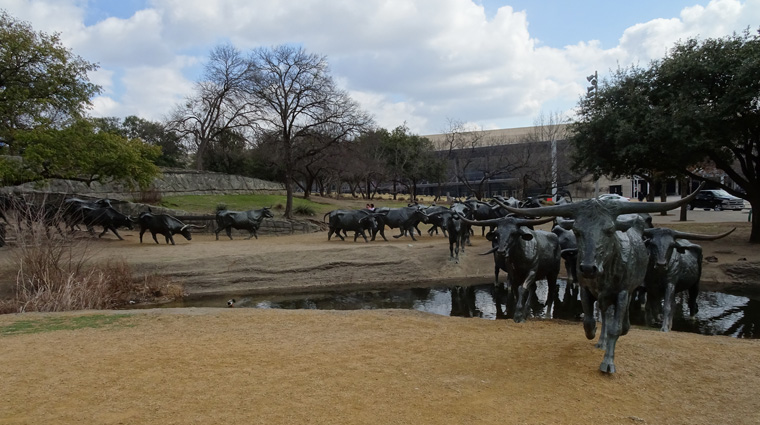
299, 98
219, 103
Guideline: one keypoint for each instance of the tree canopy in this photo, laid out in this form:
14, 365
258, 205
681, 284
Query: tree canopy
80, 153
698, 107
42, 84
44, 93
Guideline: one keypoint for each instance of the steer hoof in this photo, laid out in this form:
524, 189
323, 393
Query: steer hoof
590, 330
607, 367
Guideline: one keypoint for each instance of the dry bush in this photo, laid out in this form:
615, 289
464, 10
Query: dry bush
55, 274
150, 196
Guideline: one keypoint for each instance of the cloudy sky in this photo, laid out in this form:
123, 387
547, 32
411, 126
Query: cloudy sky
489, 63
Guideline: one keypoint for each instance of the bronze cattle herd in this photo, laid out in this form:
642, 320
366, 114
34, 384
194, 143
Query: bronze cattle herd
610, 248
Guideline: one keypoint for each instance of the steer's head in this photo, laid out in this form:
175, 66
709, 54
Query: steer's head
508, 232
185, 230
661, 242
369, 222
506, 235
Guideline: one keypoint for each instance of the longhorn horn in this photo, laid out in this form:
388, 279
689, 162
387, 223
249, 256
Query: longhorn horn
652, 207
536, 222
491, 222
566, 210
490, 251
699, 237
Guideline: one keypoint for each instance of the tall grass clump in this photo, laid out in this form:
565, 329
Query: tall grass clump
56, 272
304, 210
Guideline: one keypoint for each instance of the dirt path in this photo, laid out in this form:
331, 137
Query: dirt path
273, 366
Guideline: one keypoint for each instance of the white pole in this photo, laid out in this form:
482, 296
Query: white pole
554, 169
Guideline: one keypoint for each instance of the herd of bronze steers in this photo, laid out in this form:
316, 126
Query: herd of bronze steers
610, 248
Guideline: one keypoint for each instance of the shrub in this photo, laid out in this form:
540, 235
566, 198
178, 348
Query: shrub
221, 206
304, 210
55, 273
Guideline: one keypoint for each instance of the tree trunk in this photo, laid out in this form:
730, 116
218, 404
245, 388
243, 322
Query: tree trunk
754, 236
663, 193
682, 183
288, 195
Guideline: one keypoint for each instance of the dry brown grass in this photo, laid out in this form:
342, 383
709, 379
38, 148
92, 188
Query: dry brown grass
55, 272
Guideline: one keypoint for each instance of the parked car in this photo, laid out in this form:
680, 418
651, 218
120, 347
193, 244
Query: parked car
614, 197
716, 199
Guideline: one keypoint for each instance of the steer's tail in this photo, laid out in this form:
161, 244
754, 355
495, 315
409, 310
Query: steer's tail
325, 216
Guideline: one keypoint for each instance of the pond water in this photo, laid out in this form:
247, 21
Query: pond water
719, 313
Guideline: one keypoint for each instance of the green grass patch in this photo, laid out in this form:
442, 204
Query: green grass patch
206, 204
51, 324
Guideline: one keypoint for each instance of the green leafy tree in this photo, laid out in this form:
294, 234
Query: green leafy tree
698, 104
150, 132
228, 154
80, 153
408, 158
42, 84
621, 131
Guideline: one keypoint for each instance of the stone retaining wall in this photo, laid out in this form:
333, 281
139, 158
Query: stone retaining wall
172, 182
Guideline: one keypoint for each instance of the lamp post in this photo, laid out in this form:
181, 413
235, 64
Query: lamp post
592, 91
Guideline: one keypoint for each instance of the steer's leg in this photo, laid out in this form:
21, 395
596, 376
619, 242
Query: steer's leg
411, 232
614, 320
154, 236
551, 282
228, 229
589, 323
668, 307
113, 230
521, 309
693, 293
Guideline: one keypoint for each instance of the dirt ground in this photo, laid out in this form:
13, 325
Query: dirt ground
206, 365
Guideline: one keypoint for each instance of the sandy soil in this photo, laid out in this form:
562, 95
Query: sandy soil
273, 366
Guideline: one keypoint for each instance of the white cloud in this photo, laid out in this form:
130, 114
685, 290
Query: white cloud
419, 62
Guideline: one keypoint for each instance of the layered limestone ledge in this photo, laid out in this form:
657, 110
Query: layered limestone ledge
172, 182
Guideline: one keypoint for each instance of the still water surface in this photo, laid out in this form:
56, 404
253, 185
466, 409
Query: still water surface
719, 313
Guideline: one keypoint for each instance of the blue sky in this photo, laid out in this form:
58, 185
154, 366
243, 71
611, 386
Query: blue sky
424, 63
558, 23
